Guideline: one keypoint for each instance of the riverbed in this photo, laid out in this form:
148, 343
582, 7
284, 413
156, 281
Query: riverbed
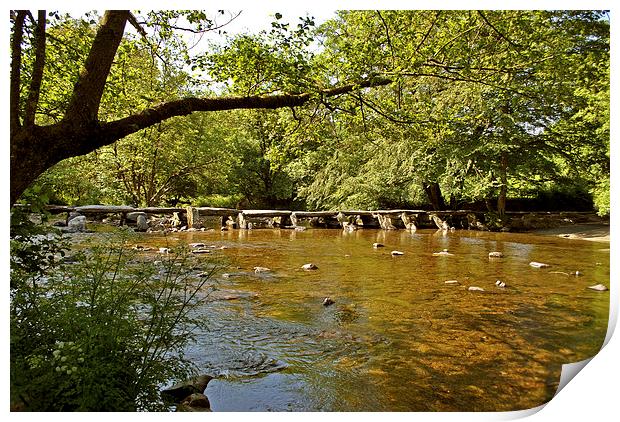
397, 337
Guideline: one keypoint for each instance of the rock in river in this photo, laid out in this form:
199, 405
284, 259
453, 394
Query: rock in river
451, 282
377, 245
496, 254
443, 253
182, 390
397, 253
309, 267
195, 402
475, 289
598, 288
328, 301
261, 270
200, 251
77, 224
538, 264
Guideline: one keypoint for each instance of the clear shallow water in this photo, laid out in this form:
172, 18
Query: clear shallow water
397, 338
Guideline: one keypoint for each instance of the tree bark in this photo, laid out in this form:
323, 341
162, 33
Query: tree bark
433, 192
37, 70
16, 63
503, 190
87, 93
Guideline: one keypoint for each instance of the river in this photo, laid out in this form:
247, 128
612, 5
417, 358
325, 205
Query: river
397, 338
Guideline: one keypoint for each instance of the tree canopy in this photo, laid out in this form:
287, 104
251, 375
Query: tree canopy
368, 109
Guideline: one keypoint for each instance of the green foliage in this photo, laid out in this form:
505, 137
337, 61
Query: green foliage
102, 334
600, 194
469, 87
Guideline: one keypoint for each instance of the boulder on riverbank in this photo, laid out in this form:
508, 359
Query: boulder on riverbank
179, 392
196, 402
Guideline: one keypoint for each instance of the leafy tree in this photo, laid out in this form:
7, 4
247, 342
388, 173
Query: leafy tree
36, 146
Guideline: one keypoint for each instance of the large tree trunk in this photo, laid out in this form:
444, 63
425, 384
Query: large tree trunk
433, 192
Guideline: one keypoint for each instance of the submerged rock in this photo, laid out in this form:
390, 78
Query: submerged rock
538, 264
443, 253
309, 267
598, 288
496, 255
196, 402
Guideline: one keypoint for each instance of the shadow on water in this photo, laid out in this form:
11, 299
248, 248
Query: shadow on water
397, 337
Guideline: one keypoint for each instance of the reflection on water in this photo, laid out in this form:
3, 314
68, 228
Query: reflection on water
397, 338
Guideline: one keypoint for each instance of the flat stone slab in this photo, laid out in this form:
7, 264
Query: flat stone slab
308, 214
217, 211
265, 213
103, 209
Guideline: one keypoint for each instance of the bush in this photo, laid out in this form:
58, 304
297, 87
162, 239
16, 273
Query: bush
600, 193
103, 334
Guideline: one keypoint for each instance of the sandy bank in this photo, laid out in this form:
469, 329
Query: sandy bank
596, 232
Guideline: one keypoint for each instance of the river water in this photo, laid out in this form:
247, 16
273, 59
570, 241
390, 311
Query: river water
397, 338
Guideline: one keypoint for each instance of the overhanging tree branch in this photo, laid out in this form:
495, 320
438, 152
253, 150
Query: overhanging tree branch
120, 128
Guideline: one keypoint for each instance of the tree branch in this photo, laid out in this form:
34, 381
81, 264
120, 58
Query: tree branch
120, 128
430, 28
16, 63
37, 70
84, 103
508, 40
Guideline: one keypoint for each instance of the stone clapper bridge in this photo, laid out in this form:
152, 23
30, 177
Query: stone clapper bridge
194, 218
